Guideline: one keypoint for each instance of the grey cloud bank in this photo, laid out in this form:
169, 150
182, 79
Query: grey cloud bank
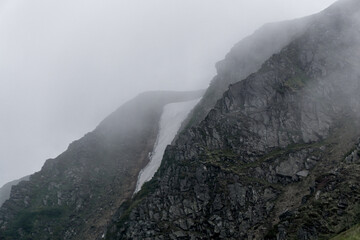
65, 65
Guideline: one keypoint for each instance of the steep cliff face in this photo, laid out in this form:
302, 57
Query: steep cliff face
277, 150
75, 195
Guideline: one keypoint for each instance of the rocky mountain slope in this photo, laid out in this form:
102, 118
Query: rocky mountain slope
278, 155
6, 189
275, 155
75, 194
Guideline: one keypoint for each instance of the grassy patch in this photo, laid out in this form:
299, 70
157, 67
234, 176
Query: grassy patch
228, 160
28, 220
297, 81
351, 234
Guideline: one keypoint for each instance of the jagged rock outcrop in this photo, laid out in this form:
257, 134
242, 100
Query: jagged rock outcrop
332, 205
273, 151
75, 194
6, 189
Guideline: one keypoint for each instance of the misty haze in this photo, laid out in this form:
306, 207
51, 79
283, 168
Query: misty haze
179, 119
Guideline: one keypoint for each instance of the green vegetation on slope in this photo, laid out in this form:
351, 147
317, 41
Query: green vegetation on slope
351, 234
28, 220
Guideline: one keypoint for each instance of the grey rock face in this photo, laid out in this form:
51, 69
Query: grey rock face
354, 156
246, 57
257, 150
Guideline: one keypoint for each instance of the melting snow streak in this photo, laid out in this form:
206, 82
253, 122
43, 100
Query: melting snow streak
172, 117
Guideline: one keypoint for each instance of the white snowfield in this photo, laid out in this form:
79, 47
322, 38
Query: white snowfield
172, 117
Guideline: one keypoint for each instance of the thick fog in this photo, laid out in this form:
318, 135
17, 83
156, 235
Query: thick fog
65, 65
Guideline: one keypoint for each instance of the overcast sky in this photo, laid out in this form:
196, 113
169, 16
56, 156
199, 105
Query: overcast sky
65, 65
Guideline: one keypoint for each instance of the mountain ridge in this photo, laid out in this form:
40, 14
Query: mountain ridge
75, 194
229, 177
271, 151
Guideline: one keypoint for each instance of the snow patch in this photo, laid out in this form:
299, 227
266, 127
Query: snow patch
172, 116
